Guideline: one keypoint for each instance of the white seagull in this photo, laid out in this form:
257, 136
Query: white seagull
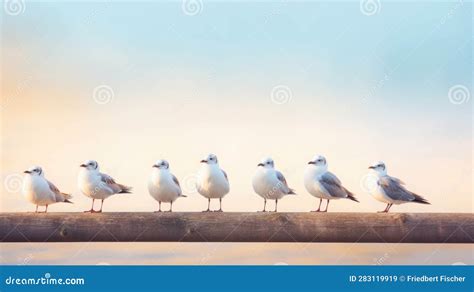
390, 190
97, 185
163, 185
212, 182
322, 184
41, 192
269, 183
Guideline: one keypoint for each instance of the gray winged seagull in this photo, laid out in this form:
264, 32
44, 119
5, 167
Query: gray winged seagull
163, 185
269, 183
212, 182
390, 190
40, 191
96, 185
322, 184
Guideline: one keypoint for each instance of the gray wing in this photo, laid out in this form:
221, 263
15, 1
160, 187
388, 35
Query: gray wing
176, 182
225, 175
110, 182
284, 184
106, 178
60, 197
333, 185
394, 189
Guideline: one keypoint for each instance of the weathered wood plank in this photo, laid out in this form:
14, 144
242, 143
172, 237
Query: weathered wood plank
238, 227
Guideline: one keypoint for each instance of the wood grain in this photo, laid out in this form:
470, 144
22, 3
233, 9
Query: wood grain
238, 227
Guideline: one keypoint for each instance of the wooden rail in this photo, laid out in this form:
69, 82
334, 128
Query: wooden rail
238, 227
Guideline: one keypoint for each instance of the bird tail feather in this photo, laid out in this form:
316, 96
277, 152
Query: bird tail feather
66, 196
291, 192
420, 199
351, 196
125, 189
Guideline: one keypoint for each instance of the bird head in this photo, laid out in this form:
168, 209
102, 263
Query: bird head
161, 164
379, 167
34, 170
210, 159
266, 163
319, 161
90, 165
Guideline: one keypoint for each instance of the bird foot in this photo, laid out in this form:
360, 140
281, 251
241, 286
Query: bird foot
382, 211
159, 211
220, 210
169, 211
92, 211
263, 211
315, 211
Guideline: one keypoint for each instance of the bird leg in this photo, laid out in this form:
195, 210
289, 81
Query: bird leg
319, 208
171, 207
101, 204
208, 205
327, 205
220, 205
92, 208
389, 206
386, 209
45, 211
276, 205
159, 208
264, 205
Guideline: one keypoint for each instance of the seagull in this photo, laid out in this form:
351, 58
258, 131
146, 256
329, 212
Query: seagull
269, 183
390, 190
41, 192
212, 181
322, 184
163, 185
97, 185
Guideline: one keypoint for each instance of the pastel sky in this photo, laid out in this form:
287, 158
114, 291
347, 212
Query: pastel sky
356, 88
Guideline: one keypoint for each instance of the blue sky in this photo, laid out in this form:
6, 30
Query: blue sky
363, 88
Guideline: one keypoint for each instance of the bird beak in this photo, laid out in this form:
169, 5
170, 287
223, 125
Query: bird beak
260, 164
82, 165
311, 162
371, 167
26, 171
203, 161
154, 165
